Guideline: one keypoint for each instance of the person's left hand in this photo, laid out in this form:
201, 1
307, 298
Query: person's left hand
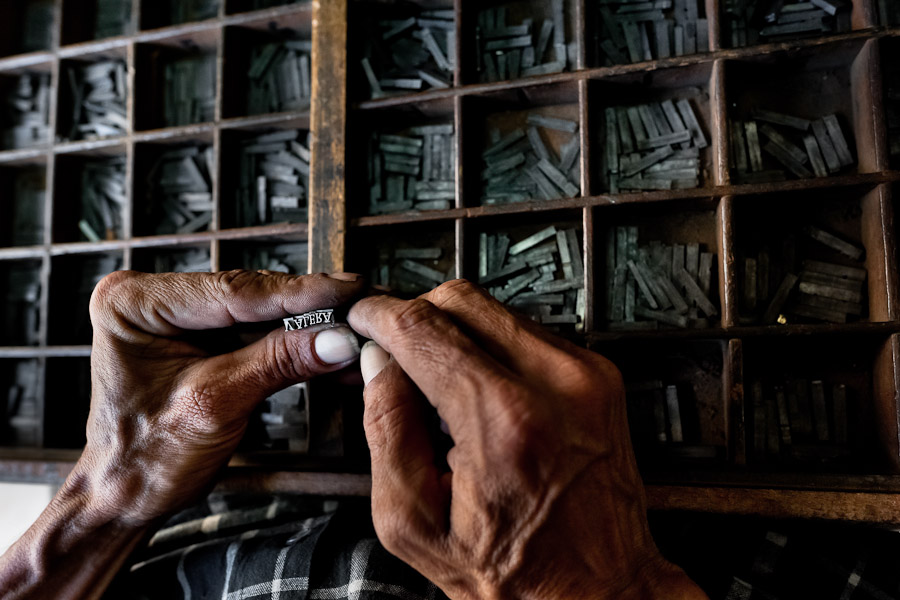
165, 414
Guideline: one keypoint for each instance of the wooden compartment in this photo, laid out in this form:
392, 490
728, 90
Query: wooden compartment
791, 236
21, 306
163, 102
69, 116
91, 187
21, 417
28, 96
27, 26
86, 20
827, 418
22, 204
660, 232
187, 258
174, 12
498, 127
372, 193
677, 402
695, 84
244, 83
72, 282
274, 255
367, 25
409, 259
67, 403
809, 84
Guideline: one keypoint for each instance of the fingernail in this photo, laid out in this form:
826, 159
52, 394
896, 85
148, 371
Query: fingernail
337, 345
372, 360
344, 276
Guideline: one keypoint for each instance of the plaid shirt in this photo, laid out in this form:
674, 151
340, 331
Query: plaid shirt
239, 547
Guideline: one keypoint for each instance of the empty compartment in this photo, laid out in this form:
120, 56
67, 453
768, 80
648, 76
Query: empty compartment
265, 177
410, 157
268, 65
27, 26
408, 259
660, 268
174, 12
86, 20
752, 23
91, 197
676, 401
174, 187
801, 116
22, 202
26, 122
888, 12
811, 257
21, 305
190, 259
93, 100
283, 256
72, 281
21, 383
530, 144
533, 263
178, 81
68, 402
809, 404
400, 49
652, 131
890, 65
632, 32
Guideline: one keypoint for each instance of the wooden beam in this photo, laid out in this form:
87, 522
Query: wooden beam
328, 119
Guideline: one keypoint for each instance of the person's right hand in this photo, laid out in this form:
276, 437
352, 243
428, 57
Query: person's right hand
543, 499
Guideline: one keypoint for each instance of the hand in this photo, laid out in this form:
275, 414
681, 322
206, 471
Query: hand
543, 498
166, 415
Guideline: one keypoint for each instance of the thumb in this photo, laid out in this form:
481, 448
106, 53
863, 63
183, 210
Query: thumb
281, 359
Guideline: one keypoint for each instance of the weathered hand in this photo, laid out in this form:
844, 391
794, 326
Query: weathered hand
165, 414
543, 499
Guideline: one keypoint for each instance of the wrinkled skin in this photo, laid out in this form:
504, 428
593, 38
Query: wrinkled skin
543, 498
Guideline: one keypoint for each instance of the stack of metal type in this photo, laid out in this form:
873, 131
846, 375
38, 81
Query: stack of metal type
113, 18
196, 260
22, 312
99, 96
541, 275
274, 179
103, 199
411, 54
22, 409
185, 11
190, 90
279, 77
411, 270
285, 416
415, 170
37, 21
798, 419
635, 30
750, 23
179, 188
657, 284
28, 112
283, 258
656, 416
513, 51
520, 166
654, 146
833, 292
29, 192
805, 147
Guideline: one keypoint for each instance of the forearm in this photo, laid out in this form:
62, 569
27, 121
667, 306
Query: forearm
72, 551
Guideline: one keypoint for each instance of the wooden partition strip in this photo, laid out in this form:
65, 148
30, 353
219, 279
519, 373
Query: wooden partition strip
718, 108
715, 30
869, 122
886, 411
584, 107
727, 273
459, 231
328, 121
876, 228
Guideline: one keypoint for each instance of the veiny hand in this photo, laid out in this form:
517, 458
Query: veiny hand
543, 499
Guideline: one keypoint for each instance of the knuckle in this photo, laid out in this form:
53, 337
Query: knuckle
110, 288
230, 283
415, 317
287, 360
454, 291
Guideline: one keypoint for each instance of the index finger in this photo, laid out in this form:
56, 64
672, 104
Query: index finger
170, 303
455, 374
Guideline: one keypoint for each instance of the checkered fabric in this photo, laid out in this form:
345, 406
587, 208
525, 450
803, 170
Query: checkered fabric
292, 548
